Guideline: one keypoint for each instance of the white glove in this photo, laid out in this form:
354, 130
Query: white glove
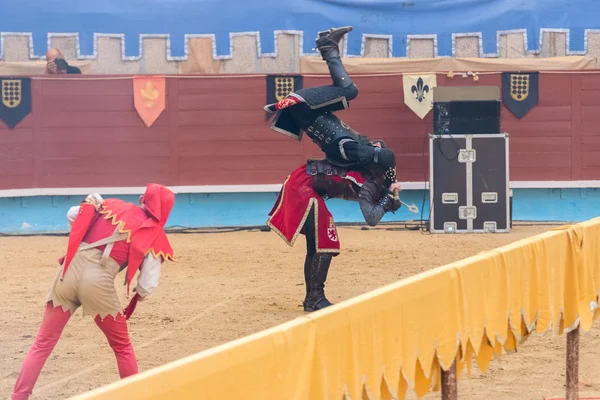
95, 199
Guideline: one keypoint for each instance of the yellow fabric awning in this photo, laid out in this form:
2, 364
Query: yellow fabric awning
398, 336
357, 65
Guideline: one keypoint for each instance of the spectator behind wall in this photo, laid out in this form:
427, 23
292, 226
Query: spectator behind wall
56, 64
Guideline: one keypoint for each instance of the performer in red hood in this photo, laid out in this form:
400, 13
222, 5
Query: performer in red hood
106, 237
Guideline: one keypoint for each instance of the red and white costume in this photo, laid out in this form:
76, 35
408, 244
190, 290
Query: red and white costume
106, 237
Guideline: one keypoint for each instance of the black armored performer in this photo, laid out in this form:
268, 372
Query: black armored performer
355, 169
310, 111
301, 209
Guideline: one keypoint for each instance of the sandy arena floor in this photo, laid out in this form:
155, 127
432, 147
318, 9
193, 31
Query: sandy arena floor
229, 285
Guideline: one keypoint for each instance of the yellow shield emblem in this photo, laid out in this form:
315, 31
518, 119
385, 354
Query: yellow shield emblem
11, 92
283, 87
519, 86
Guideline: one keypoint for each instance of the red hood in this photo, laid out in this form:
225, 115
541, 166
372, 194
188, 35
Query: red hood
158, 203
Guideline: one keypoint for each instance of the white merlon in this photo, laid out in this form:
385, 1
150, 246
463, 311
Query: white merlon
246, 53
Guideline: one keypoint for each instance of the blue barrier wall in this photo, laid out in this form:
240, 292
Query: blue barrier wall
222, 17
48, 213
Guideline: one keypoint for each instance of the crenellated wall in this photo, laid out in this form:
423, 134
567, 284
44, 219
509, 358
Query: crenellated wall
246, 55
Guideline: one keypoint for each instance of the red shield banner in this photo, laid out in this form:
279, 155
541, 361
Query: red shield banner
149, 97
82, 222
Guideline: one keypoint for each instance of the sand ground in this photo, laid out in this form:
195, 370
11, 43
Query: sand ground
228, 285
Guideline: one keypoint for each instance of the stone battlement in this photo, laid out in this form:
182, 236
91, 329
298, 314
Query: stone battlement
245, 54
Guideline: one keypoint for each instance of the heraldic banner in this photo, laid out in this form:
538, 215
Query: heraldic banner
278, 87
520, 91
16, 100
149, 97
418, 92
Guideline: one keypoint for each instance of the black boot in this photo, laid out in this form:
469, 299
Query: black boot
316, 297
332, 37
328, 46
307, 273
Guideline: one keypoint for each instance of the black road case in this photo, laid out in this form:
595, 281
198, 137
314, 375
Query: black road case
469, 183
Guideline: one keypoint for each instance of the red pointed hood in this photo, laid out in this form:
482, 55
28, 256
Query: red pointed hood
158, 203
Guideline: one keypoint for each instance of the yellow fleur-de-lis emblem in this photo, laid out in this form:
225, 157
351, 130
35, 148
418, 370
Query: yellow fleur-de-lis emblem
149, 94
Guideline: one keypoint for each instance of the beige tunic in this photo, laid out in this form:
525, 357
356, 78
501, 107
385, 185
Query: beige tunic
89, 281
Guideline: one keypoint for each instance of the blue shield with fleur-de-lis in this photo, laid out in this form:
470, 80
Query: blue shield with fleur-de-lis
418, 92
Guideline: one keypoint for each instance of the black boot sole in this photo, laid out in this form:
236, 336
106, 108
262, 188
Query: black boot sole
324, 37
330, 30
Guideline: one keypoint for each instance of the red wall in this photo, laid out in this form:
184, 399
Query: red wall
86, 132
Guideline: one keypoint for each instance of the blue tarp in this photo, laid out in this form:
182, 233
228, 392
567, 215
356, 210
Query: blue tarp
221, 17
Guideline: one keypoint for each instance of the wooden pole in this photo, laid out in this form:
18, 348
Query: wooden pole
449, 385
573, 365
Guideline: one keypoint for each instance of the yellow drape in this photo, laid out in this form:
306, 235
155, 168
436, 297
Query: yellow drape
358, 65
380, 343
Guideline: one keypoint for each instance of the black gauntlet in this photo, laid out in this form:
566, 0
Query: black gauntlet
387, 201
372, 205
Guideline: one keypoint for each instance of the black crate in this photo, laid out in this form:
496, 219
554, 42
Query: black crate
469, 183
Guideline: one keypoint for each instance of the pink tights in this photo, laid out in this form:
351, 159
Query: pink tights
52, 326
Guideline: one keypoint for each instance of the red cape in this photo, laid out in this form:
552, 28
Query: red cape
297, 197
85, 218
144, 226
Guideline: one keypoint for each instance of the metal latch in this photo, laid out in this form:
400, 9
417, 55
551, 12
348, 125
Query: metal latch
450, 227
465, 212
465, 156
449, 198
489, 197
489, 226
